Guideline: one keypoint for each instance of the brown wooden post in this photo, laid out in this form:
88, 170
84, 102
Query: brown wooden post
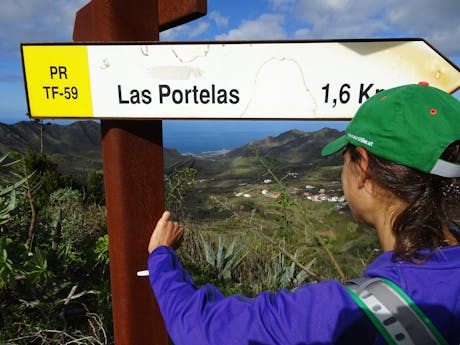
133, 167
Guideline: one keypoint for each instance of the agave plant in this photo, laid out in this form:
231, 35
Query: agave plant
7, 197
6, 206
284, 275
223, 259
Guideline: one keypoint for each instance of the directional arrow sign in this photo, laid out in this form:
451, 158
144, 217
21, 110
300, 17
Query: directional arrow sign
212, 80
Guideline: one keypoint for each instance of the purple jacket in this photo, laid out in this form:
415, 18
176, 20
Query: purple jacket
319, 313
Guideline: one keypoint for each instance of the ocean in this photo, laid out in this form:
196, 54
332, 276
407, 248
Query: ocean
198, 136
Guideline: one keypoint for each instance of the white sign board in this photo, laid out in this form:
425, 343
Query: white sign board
212, 80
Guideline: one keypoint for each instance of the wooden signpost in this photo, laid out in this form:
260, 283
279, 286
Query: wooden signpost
131, 86
133, 166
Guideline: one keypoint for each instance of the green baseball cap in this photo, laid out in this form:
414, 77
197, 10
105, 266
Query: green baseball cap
411, 125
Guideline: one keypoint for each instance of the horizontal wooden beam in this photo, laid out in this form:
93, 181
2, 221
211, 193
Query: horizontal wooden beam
170, 15
175, 13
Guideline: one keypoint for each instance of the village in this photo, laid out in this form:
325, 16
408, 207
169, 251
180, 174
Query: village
333, 193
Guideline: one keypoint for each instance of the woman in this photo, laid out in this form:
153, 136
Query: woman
400, 176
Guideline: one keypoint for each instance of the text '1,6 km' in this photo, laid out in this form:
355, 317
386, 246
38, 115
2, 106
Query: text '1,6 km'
345, 93
278, 80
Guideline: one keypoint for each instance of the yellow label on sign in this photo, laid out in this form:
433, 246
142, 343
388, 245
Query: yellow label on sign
58, 81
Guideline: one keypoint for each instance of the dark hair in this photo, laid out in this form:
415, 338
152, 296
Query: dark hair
432, 202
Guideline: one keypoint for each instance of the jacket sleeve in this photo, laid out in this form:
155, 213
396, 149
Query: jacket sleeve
313, 313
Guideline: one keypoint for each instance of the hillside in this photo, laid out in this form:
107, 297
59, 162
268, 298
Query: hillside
292, 150
77, 147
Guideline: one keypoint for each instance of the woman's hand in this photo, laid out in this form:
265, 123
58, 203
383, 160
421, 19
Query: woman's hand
166, 233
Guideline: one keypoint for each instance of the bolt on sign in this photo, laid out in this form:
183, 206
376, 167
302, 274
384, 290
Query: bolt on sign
219, 80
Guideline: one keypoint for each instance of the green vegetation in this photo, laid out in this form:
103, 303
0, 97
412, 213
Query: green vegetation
53, 257
244, 237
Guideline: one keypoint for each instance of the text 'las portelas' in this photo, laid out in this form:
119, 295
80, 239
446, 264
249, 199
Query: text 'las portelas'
166, 94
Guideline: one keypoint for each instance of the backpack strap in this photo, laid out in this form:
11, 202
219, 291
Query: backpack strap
395, 315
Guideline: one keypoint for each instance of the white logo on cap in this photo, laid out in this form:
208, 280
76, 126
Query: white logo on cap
361, 139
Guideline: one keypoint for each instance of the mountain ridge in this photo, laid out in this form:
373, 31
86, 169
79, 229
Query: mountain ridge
77, 147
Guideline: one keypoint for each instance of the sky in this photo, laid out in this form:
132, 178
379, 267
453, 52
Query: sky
52, 21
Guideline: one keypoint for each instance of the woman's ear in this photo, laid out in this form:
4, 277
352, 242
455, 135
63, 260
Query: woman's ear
363, 164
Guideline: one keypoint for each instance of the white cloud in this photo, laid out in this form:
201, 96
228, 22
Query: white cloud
200, 28
172, 34
281, 4
436, 21
302, 33
36, 21
267, 26
185, 32
340, 19
219, 19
